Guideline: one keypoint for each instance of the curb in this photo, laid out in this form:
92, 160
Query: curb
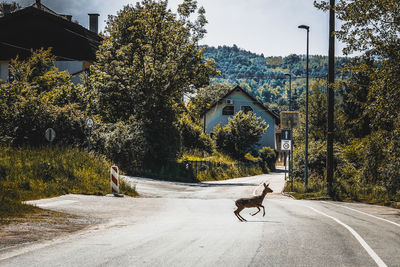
288, 195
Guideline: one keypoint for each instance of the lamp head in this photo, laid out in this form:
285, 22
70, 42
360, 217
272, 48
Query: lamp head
304, 27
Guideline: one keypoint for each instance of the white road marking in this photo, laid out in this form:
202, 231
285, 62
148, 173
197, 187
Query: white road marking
369, 250
373, 216
55, 203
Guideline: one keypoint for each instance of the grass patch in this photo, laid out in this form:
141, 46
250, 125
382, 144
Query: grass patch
217, 166
316, 189
347, 190
34, 173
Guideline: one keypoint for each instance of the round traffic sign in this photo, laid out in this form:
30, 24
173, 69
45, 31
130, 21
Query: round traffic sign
89, 123
50, 134
286, 146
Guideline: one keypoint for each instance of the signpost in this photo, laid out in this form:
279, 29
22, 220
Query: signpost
50, 134
289, 120
286, 135
89, 125
286, 145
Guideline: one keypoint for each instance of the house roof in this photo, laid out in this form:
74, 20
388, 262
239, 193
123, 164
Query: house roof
255, 101
36, 26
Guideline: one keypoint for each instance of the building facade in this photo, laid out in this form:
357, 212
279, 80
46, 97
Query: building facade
236, 100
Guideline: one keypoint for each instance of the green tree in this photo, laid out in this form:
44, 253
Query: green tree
206, 96
317, 111
240, 135
39, 97
192, 135
368, 25
367, 152
149, 59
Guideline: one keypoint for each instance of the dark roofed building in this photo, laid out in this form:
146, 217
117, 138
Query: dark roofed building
37, 26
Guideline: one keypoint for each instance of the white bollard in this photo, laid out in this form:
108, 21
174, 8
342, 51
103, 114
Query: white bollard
114, 176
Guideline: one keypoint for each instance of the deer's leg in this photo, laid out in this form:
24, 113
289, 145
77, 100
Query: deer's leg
263, 210
237, 213
256, 212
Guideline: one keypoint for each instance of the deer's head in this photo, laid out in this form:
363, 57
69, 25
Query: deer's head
267, 189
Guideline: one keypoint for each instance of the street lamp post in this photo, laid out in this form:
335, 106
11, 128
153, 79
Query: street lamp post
306, 145
291, 133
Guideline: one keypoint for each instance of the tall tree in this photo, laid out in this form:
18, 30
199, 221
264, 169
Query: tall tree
207, 96
149, 59
371, 95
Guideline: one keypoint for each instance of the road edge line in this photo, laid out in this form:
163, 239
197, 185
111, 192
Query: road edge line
373, 216
364, 244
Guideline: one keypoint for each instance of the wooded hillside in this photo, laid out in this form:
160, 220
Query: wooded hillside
264, 76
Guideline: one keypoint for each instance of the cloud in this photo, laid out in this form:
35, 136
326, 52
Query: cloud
261, 26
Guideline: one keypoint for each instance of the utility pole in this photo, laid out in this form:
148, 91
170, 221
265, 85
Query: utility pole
331, 99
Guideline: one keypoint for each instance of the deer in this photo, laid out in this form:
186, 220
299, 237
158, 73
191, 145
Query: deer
252, 202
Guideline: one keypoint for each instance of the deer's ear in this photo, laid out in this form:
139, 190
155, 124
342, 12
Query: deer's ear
265, 185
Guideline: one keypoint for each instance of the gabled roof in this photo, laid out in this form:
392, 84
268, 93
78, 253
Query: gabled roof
35, 26
255, 101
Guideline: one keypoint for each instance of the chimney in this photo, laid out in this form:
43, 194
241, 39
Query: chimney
6, 9
68, 17
94, 22
39, 5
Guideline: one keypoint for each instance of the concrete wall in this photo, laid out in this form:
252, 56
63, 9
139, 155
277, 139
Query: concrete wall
215, 117
4, 71
70, 66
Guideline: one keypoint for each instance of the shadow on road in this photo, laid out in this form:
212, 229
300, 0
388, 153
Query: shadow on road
262, 222
221, 184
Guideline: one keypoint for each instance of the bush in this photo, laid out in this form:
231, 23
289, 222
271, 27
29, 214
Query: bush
193, 137
122, 143
40, 97
268, 156
31, 121
240, 135
219, 166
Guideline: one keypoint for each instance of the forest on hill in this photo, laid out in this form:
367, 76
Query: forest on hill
264, 77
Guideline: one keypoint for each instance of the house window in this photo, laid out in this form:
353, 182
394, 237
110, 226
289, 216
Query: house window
228, 110
246, 109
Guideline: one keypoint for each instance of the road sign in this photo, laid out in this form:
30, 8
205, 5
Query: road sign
289, 119
89, 123
286, 145
50, 134
286, 135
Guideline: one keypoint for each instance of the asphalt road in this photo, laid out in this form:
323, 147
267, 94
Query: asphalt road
174, 224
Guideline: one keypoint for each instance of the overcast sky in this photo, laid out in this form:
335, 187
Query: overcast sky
260, 26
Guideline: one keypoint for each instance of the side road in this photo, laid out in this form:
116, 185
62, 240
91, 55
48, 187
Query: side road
229, 189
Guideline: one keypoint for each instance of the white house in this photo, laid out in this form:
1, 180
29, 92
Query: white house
235, 100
